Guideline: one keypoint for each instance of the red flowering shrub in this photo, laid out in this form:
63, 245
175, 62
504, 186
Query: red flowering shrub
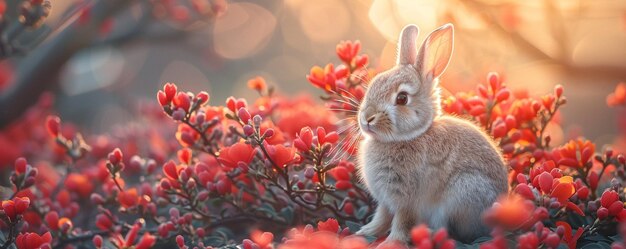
259, 173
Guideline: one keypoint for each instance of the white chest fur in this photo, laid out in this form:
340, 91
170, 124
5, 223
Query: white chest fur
401, 181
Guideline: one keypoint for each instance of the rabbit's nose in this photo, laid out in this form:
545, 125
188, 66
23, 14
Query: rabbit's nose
371, 119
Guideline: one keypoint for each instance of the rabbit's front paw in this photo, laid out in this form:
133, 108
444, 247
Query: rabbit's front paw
396, 238
380, 224
373, 229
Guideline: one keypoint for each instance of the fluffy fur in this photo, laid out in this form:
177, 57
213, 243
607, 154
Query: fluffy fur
421, 166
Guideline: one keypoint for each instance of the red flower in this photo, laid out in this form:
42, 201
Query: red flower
170, 90
186, 135
421, 237
184, 155
182, 101
576, 153
330, 225
569, 238
618, 97
171, 170
326, 78
528, 240
203, 97
360, 61
53, 124
347, 50
97, 241
563, 189
419, 234
304, 139
608, 198
33, 241
281, 155
166, 96
104, 222
146, 241
257, 83
262, 239
65, 224
21, 166
128, 198
277, 136
235, 104
80, 184
15, 207
511, 212
524, 190
323, 137
52, 220
302, 112
239, 152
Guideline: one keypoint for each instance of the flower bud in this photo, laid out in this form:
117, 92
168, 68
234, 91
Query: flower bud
200, 232
309, 172
191, 184
165, 184
244, 115
248, 130
184, 177
558, 91
541, 213
602, 213
174, 213
203, 97
97, 199
555, 205
552, 240
97, 241
28, 182
203, 195
182, 101
162, 98
493, 80
503, 95
53, 124
257, 120
20, 165
179, 114
180, 241
32, 172
200, 118
268, 133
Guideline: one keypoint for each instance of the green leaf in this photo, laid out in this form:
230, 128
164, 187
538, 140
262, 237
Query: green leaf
287, 214
362, 212
353, 226
214, 241
482, 239
268, 209
370, 239
596, 245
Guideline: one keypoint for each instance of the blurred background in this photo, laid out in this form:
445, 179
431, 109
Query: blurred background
100, 57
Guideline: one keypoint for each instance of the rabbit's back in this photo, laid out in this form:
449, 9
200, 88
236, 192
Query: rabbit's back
451, 146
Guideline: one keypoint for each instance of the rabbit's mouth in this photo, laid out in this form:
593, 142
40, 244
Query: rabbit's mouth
368, 129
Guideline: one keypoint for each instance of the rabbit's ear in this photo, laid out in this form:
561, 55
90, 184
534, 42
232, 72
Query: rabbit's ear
407, 48
436, 51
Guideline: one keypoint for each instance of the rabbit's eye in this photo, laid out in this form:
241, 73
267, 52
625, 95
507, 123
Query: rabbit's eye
402, 98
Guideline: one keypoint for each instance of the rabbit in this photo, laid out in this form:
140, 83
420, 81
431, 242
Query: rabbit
421, 166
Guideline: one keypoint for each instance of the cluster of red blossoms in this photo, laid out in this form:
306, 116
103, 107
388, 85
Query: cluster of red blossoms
258, 173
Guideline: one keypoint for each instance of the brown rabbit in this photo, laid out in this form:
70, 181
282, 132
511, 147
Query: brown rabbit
419, 165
